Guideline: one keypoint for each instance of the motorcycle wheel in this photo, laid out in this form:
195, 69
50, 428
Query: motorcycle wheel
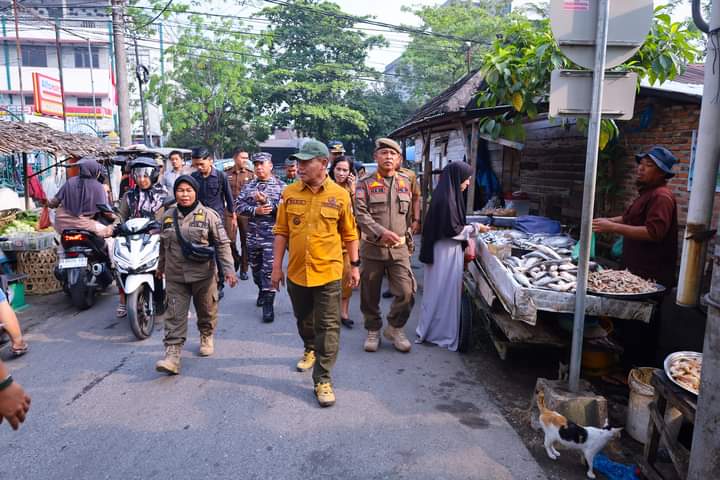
82, 296
141, 320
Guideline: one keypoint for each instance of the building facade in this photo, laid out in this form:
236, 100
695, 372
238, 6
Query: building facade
77, 35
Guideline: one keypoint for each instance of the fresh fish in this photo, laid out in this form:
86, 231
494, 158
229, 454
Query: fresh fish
567, 266
522, 279
537, 275
537, 254
515, 261
529, 262
549, 252
553, 268
566, 276
543, 281
567, 286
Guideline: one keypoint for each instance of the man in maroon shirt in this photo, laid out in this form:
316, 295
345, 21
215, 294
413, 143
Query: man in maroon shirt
649, 225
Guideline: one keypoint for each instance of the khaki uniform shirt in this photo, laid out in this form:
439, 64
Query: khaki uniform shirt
316, 225
237, 179
203, 227
415, 185
383, 204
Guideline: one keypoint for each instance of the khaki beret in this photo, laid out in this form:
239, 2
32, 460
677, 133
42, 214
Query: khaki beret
387, 143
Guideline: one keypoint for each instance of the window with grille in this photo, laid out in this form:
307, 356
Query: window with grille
34, 56
86, 101
82, 59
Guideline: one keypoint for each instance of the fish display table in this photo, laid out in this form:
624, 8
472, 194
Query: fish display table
513, 309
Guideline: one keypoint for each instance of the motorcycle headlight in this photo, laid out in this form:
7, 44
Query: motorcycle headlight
149, 265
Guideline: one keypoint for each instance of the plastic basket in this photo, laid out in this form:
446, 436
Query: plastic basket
21, 242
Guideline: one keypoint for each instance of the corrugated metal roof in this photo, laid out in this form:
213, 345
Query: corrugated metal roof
694, 74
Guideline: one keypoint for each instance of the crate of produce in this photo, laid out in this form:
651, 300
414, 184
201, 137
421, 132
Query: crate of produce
39, 267
28, 241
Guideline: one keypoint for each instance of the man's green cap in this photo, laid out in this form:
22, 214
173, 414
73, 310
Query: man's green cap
387, 143
311, 149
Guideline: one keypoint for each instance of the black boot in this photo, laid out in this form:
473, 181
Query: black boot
268, 307
261, 299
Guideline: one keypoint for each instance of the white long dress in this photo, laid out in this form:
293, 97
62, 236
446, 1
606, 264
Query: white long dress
442, 290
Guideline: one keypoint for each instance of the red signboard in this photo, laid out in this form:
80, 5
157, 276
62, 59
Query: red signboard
48, 95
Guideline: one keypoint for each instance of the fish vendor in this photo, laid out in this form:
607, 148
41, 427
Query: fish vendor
649, 226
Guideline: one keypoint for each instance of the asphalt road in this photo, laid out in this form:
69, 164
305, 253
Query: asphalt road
101, 411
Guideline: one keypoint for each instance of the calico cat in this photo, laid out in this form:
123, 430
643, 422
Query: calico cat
558, 429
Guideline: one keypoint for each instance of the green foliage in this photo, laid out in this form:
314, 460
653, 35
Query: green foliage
517, 68
383, 109
430, 64
313, 65
209, 96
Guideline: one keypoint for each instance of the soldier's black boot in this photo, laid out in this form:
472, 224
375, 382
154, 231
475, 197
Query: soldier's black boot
261, 299
269, 307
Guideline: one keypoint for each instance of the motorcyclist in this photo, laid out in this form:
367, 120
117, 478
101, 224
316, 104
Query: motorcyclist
77, 200
144, 200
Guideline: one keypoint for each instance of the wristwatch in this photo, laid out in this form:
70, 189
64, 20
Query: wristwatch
356, 263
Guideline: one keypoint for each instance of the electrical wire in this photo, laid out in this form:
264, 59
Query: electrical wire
167, 5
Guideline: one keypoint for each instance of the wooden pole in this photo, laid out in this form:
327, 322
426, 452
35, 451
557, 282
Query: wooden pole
427, 172
472, 160
19, 60
58, 51
26, 180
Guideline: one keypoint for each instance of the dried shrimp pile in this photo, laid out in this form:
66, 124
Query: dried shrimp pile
619, 282
686, 371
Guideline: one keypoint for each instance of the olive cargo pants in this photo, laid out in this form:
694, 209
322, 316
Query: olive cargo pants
402, 286
317, 310
205, 298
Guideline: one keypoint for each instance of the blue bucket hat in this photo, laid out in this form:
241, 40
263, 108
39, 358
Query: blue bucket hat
663, 158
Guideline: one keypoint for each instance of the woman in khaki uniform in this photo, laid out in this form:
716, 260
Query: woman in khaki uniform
188, 263
343, 173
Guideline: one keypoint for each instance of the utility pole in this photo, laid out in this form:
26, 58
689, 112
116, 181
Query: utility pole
58, 51
706, 435
92, 86
141, 78
588, 205
19, 60
468, 55
121, 80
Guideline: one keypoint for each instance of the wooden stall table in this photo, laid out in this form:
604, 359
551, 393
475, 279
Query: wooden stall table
667, 394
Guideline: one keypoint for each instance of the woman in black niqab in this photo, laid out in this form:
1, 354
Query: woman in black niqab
446, 215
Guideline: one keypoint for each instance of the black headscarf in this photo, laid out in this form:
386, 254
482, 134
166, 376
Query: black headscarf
194, 184
446, 216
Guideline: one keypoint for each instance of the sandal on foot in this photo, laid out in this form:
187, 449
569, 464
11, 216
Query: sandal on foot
121, 310
347, 322
21, 350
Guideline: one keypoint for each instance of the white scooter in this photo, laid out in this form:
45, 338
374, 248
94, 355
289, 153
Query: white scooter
136, 254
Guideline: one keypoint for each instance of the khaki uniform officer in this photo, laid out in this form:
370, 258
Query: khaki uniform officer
314, 220
191, 276
238, 175
383, 203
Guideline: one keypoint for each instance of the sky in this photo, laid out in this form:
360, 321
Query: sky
388, 11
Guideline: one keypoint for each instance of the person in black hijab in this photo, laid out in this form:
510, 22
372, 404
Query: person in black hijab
446, 216
444, 237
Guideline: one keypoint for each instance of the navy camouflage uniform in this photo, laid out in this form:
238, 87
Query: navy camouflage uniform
260, 228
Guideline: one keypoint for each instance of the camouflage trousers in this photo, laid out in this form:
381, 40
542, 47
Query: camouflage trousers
260, 253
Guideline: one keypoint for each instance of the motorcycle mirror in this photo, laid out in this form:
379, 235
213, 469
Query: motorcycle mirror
104, 208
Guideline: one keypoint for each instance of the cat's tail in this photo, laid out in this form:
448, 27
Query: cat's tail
540, 395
